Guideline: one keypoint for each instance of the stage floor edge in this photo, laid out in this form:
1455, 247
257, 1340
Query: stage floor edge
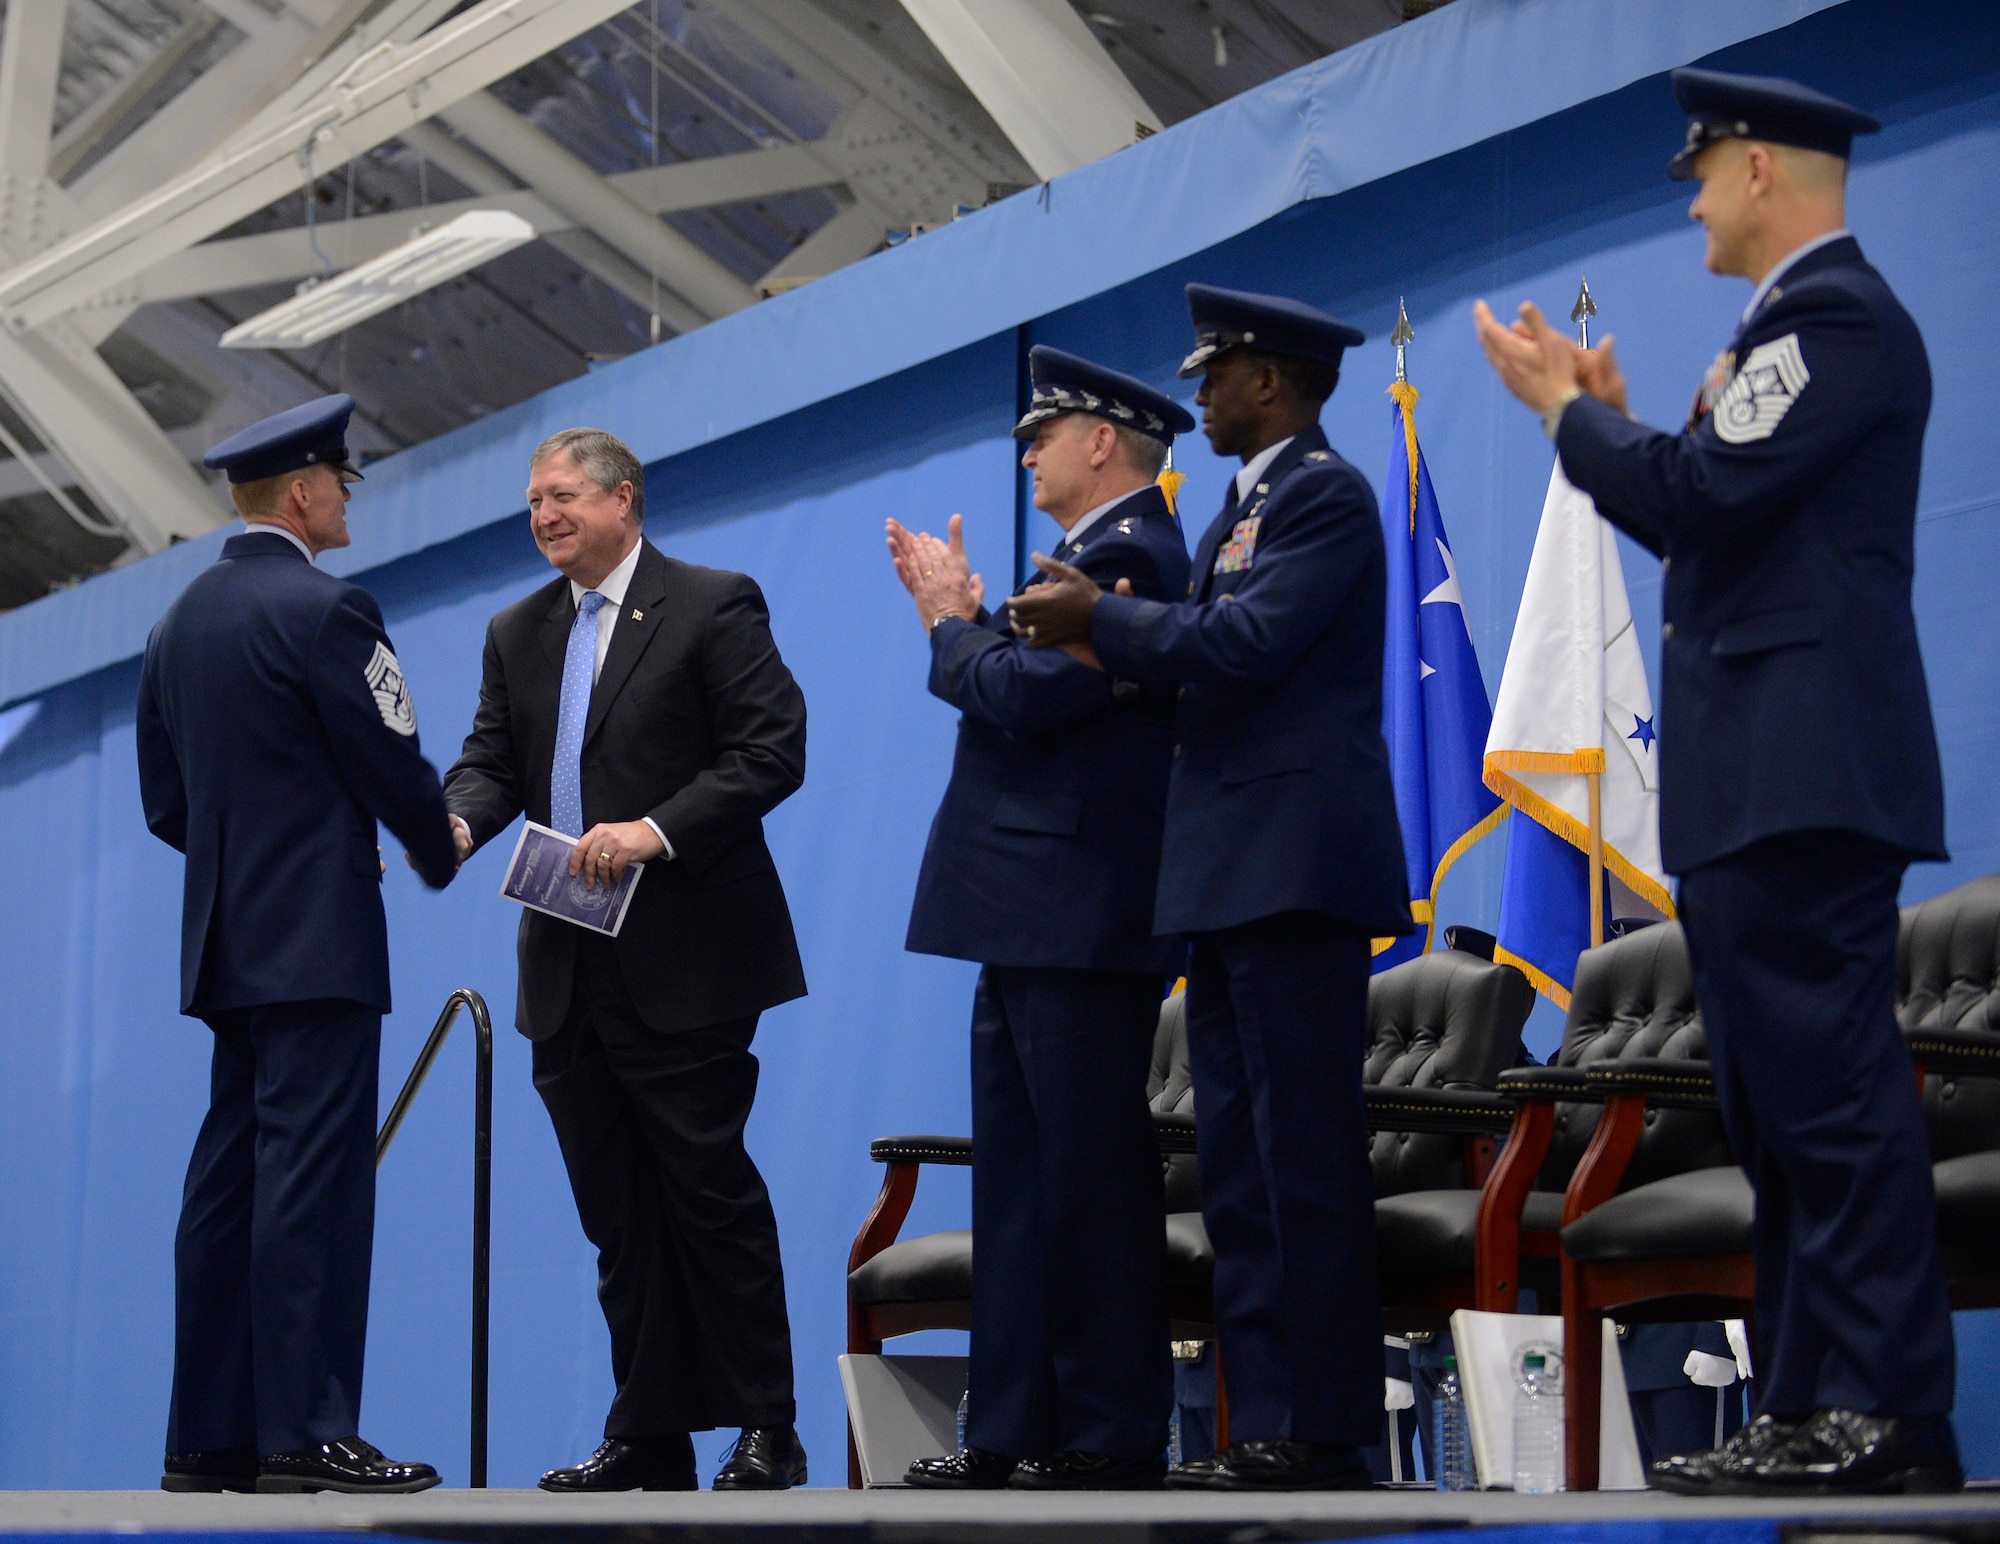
993, 1517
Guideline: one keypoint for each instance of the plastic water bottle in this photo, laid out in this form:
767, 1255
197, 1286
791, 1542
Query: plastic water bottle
961, 1418
1451, 1445
1538, 1428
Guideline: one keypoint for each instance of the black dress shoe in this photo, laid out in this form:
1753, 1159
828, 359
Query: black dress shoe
764, 1458
224, 1469
349, 1465
630, 1463
1276, 1463
974, 1469
1695, 1474
1073, 1470
1842, 1452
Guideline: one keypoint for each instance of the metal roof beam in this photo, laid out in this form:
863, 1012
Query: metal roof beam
273, 257
30, 64
1038, 70
590, 201
375, 99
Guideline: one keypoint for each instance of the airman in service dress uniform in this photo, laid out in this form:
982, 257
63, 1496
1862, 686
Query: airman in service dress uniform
1799, 773
274, 730
1041, 865
1282, 858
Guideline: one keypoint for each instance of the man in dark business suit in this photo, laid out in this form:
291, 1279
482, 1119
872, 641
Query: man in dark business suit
274, 730
1798, 773
639, 704
1282, 858
1040, 866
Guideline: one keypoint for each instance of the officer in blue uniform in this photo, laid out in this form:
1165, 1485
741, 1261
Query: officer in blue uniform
1282, 858
1798, 772
1040, 866
274, 730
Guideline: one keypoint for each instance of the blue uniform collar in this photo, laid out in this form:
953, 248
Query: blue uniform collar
1833, 250
264, 542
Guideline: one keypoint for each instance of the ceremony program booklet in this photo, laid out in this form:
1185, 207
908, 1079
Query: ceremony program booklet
538, 876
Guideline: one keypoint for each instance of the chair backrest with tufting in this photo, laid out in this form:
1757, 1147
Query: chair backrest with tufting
1445, 1020
1634, 997
1948, 977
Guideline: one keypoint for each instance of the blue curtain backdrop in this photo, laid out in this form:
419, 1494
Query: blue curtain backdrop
102, 1086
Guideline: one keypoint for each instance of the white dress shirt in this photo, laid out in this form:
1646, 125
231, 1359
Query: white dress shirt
613, 588
1783, 266
1257, 466
265, 528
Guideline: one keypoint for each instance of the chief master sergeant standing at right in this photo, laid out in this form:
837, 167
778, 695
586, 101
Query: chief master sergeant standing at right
1798, 773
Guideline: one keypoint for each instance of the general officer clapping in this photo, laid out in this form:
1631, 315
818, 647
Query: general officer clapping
274, 730
1282, 858
1798, 772
1040, 866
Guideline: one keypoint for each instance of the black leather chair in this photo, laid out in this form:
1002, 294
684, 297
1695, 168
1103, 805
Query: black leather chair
1948, 1004
1678, 1247
1623, 1126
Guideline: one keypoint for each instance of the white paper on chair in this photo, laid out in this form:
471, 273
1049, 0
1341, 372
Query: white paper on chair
1489, 1347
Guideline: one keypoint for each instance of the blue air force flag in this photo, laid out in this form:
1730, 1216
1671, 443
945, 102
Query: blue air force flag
1573, 699
1434, 710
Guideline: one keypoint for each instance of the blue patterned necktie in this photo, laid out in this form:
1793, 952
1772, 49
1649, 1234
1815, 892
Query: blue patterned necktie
579, 671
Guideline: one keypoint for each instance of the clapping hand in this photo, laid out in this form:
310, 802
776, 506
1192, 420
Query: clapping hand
1533, 360
937, 574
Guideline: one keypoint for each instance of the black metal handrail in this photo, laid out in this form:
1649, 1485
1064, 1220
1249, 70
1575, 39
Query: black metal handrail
482, 1184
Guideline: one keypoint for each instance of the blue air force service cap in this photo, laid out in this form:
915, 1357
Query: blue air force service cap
1226, 319
1764, 107
311, 434
1064, 383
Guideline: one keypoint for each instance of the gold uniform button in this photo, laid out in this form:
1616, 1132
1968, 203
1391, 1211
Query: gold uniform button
1177, 753
1667, 633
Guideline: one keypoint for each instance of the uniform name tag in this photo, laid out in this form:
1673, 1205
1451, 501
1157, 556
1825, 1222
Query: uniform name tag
391, 693
1234, 555
1764, 390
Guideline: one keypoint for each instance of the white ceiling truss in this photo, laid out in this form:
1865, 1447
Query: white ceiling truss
169, 168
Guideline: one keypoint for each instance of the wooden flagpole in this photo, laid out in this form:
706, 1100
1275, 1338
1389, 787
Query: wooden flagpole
1596, 782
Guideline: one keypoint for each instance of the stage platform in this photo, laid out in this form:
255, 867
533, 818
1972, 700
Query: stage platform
1004, 1517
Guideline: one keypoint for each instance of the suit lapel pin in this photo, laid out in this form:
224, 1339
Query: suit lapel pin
638, 615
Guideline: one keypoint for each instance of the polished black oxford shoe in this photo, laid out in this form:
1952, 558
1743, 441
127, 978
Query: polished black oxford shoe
1073, 1470
764, 1458
974, 1469
1276, 1463
1696, 1474
630, 1463
1845, 1453
208, 1473
350, 1466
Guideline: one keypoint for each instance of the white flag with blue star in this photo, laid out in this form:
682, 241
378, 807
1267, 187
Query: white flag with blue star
1573, 699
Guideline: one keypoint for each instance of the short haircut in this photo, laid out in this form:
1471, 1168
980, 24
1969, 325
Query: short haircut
256, 500
604, 458
1145, 453
1310, 380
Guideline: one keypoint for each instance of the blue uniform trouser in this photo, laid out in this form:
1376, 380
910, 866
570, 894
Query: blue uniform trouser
1277, 1030
1069, 1258
277, 1228
1793, 943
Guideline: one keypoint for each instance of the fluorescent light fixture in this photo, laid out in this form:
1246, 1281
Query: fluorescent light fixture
423, 262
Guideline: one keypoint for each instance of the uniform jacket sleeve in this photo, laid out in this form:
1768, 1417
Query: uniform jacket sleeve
757, 723
996, 679
1696, 490
374, 746
161, 787
1312, 550
483, 787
